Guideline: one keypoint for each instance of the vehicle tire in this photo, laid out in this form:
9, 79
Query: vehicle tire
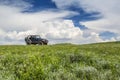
45, 43
40, 43
29, 42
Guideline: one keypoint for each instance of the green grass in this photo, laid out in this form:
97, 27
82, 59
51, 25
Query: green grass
60, 62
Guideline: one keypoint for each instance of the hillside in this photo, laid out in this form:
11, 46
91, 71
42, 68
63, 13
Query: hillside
60, 62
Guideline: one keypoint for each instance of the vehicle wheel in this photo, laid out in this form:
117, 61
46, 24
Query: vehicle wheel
45, 43
40, 43
28, 42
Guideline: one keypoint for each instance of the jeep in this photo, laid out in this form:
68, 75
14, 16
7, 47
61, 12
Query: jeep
35, 39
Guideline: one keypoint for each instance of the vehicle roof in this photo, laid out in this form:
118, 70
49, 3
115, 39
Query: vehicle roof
33, 35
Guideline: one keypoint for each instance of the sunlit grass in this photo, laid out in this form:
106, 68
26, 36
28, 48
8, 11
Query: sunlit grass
60, 62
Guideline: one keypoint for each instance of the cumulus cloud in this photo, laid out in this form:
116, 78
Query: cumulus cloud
16, 3
15, 25
15, 19
109, 9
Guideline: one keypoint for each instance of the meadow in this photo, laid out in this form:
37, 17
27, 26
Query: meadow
100, 61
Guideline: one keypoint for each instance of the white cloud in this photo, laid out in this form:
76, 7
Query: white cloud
62, 31
16, 3
64, 3
109, 9
14, 26
15, 19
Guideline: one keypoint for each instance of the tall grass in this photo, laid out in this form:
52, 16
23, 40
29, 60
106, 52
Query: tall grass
60, 62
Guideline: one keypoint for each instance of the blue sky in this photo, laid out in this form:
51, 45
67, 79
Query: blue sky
39, 5
73, 21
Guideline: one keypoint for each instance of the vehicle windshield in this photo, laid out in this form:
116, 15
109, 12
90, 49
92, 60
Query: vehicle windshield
37, 36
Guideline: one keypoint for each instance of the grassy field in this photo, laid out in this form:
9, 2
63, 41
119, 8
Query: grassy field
60, 62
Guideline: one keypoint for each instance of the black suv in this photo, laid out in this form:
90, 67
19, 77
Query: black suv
35, 39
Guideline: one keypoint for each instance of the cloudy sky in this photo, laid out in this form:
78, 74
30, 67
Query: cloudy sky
60, 21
